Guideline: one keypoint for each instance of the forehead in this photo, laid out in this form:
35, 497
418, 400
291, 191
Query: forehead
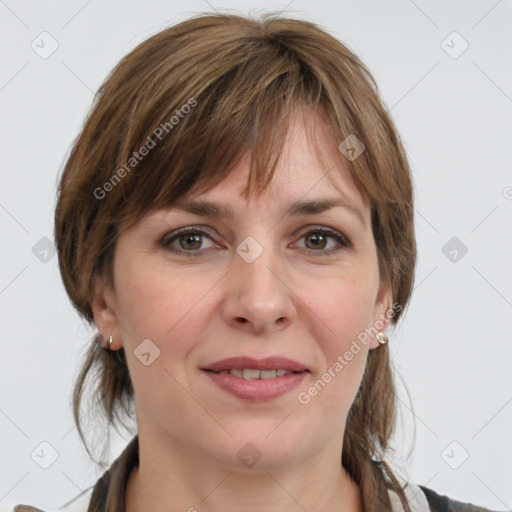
311, 177
310, 166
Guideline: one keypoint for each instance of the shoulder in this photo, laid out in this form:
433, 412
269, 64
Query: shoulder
111, 484
80, 504
440, 503
26, 508
415, 498
423, 499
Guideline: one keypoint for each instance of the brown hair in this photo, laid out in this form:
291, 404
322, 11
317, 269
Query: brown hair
218, 87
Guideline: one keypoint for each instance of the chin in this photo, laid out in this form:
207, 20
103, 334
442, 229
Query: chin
263, 449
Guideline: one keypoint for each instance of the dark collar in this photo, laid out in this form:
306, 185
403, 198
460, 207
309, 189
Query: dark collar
109, 492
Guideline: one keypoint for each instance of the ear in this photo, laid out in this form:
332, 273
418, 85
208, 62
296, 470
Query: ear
104, 312
382, 311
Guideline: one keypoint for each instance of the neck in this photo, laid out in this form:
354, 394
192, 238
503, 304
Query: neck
169, 479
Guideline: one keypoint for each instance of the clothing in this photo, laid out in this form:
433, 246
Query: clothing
108, 494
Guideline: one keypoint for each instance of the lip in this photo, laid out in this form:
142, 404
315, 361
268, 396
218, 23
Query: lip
268, 363
256, 389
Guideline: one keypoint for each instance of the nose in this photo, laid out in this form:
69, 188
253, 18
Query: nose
258, 298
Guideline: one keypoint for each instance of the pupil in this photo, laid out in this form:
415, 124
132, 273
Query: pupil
193, 240
318, 240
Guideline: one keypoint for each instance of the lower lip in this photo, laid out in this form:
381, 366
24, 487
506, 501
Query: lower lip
256, 389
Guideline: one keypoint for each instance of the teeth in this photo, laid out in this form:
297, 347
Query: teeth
250, 373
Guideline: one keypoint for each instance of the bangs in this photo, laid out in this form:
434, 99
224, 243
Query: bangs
245, 111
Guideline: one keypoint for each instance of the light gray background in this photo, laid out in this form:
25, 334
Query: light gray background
453, 349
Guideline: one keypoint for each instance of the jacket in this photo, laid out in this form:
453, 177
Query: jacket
108, 494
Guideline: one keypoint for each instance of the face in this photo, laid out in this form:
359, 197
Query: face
262, 283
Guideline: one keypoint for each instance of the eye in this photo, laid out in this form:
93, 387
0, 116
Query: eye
324, 240
191, 240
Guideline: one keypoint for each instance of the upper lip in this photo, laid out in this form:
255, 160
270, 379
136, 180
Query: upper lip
268, 363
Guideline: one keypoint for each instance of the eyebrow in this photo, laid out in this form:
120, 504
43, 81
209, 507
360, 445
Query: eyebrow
311, 207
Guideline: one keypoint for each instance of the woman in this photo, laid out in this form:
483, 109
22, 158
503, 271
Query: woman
236, 218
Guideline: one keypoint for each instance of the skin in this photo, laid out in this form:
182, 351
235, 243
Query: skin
299, 300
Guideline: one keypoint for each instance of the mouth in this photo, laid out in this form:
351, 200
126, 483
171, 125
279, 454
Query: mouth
251, 368
256, 379
254, 374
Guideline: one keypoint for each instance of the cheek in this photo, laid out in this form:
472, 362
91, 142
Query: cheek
346, 311
155, 303
171, 311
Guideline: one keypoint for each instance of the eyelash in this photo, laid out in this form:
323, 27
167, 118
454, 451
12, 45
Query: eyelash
168, 239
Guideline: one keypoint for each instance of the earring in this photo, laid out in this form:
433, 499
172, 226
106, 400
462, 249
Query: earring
381, 338
107, 346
